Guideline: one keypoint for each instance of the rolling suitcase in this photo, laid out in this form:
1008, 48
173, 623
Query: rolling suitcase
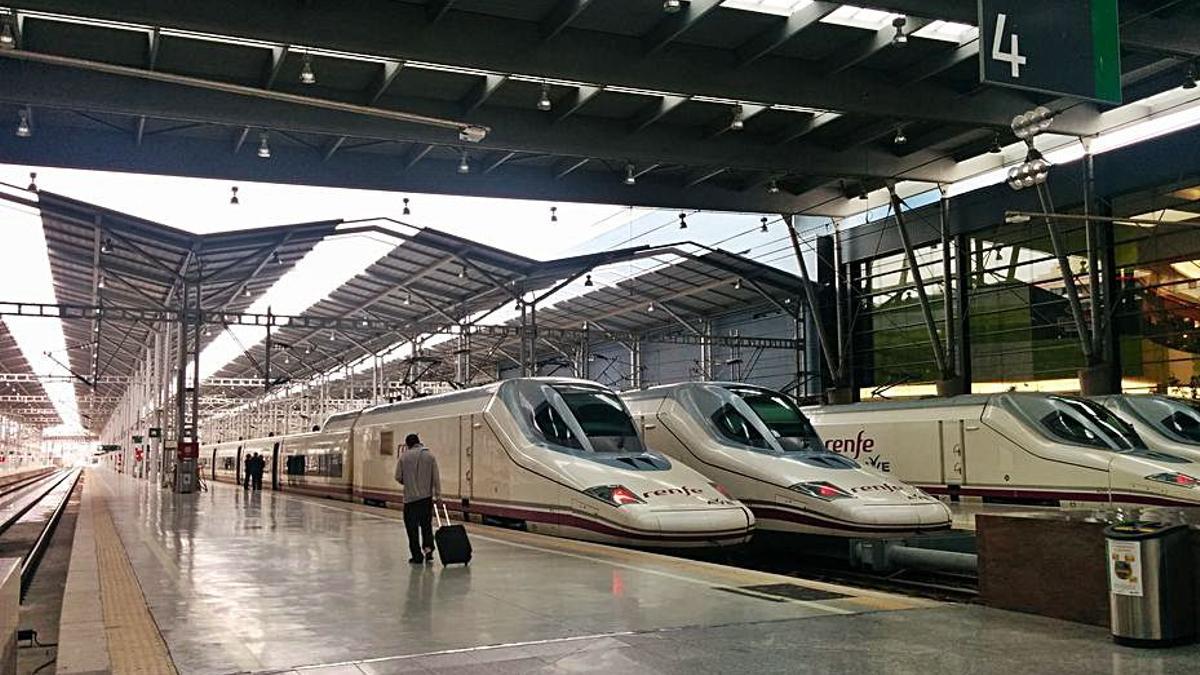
452, 544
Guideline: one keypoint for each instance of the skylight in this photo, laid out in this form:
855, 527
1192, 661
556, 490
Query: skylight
948, 31
860, 17
778, 7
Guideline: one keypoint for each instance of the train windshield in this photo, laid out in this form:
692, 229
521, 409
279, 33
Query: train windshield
1172, 418
752, 418
786, 423
572, 417
1080, 422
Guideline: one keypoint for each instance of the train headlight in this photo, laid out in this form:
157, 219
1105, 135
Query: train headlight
615, 495
821, 490
1174, 478
721, 490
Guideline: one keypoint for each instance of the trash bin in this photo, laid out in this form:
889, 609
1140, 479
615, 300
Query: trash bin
1150, 584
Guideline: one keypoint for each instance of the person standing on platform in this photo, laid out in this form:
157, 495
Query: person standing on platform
247, 462
417, 471
256, 473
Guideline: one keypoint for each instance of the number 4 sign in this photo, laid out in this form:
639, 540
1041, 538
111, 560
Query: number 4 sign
1014, 56
1063, 48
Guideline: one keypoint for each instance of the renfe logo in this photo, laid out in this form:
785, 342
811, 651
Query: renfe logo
672, 491
854, 447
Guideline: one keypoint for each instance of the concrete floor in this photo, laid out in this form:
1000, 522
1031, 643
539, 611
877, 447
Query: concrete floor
259, 582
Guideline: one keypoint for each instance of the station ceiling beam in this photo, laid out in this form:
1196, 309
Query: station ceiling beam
471, 40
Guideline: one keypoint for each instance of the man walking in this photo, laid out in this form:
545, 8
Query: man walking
417, 471
247, 464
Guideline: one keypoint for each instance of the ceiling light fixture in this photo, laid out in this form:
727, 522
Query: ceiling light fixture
683, 221
275, 258
245, 291
996, 148
8, 39
737, 284
630, 179
773, 188
264, 150
32, 181
23, 128
464, 165
307, 76
462, 271
554, 214
100, 282
1033, 171
739, 118
407, 211
899, 38
1190, 79
650, 308
588, 281
233, 199
106, 246
544, 103
763, 222
1032, 123
900, 138
672, 6
332, 336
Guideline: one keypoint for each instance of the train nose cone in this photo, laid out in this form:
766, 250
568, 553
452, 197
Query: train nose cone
723, 526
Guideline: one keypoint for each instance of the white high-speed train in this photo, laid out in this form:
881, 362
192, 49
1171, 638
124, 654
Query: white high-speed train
758, 444
555, 456
1037, 448
1166, 424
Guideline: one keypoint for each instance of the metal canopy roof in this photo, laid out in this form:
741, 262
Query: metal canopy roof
25, 399
696, 284
431, 278
100, 257
628, 84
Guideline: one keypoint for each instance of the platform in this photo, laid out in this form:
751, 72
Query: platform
228, 581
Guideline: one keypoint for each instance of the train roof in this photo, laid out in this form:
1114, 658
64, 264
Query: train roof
482, 391
961, 400
661, 390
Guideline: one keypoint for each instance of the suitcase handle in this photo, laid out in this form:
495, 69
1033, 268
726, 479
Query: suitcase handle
438, 514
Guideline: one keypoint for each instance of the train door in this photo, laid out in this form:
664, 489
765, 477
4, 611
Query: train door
213, 470
275, 467
237, 466
953, 440
466, 456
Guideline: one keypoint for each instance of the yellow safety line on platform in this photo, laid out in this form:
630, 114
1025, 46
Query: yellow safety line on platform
135, 645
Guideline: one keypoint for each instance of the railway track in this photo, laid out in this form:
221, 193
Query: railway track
35, 505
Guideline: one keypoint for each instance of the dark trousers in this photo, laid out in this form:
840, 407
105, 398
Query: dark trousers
418, 522
257, 480
246, 479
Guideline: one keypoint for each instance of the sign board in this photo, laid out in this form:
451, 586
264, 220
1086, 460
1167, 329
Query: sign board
1063, 47
137, 439
1125, 568
189, 450
108, 447
155, 432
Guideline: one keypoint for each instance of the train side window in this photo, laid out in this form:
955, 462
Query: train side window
1183, 424
737, 428
387, 443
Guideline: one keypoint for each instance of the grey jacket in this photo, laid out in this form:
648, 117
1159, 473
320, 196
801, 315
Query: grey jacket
417, 471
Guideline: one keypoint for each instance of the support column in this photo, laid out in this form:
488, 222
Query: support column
962, 299
635, 363
1102, 375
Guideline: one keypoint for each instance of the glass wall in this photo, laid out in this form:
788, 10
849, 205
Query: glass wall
1023, 334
